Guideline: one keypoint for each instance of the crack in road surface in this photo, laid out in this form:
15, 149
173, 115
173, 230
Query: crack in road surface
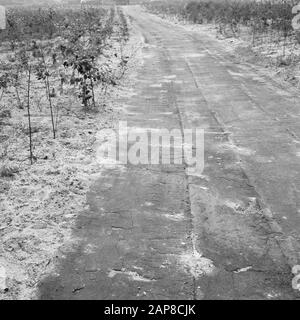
156, 232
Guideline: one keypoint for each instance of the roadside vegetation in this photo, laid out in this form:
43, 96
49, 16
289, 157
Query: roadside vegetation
57, 52
60, 68
266, 26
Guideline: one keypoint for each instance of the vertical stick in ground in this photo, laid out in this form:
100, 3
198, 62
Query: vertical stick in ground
29, 115
50, 104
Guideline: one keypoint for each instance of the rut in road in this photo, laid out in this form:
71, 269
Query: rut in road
156, 232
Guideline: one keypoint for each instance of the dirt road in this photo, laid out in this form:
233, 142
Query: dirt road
154, 232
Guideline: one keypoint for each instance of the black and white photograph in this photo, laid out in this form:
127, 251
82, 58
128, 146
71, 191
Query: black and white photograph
150, 151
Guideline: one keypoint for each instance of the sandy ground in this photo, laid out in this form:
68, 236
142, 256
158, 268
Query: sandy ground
40, 202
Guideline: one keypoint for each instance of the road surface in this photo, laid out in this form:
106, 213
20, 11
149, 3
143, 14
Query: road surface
156, 232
